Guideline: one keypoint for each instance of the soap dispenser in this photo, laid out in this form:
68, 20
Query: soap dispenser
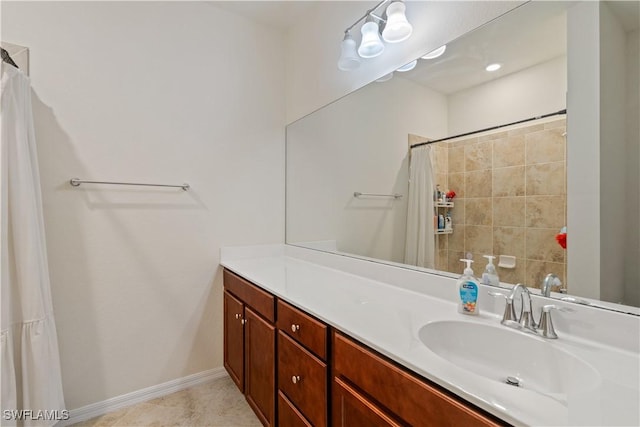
468, 291
490, 275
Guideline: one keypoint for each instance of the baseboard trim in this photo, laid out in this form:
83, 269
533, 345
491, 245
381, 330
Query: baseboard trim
143, 395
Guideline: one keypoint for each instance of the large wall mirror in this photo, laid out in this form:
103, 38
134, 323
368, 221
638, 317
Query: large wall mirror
373, 174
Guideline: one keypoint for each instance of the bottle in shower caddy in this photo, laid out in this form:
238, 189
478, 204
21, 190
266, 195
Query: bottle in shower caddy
448, 225
467, 286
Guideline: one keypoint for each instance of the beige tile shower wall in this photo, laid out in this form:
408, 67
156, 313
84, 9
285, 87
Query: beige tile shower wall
440, 171
511, 200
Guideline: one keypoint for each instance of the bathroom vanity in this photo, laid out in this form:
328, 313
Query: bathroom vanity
363, 382
316, 339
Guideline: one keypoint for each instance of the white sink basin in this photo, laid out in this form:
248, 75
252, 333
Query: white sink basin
497, 352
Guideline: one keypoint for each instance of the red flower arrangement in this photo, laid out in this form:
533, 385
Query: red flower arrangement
561, 238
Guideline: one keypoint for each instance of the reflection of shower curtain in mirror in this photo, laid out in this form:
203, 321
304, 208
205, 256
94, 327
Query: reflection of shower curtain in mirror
419, 246
31, 378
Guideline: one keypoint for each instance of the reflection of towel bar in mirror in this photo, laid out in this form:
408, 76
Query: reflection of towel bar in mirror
75, 182
359, 194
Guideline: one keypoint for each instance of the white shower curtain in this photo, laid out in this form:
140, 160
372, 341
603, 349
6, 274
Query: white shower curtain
31, 379
419, 246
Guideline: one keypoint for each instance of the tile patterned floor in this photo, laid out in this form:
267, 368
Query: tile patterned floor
215, 404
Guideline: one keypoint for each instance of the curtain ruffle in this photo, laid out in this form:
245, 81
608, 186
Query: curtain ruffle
31, 373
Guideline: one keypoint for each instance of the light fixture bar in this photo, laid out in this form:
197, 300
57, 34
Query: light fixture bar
369, 13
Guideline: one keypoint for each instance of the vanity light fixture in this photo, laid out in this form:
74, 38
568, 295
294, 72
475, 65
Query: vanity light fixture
493, 67
435, 53
349, 59
371, 45
408, 67
397, 28
392, 25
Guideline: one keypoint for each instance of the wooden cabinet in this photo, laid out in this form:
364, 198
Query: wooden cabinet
324, 377
405, 396
250, 344
302, 367
288, 414
260, 366
302, 378
234, 339
306, 330
352, 409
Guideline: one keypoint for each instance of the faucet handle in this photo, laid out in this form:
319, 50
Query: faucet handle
509, 316
546, 324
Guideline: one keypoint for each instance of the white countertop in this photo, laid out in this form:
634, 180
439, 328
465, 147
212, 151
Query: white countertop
388, 317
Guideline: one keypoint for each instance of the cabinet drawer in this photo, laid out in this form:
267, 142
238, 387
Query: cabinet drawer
351, 409
288, 415
262, 302
302, 378
303, 328
410, 398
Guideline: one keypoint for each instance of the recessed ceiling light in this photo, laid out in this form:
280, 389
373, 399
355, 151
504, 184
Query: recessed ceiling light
493, 67
385, 78
408, 67
435, 53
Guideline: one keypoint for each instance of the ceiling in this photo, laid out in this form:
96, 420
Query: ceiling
524, 38
279, 14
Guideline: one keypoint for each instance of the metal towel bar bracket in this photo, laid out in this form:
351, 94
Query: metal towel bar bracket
75, 182
359, 194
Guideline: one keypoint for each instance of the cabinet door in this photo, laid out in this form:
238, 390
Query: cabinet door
234, 339
260, 367
351, 409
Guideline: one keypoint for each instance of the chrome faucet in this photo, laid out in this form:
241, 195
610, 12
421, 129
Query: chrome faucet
526, 321
549, 281
546, 325
510, 318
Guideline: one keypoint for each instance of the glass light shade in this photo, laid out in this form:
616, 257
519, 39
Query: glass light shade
435, 53
397, 28
371, 45
349, 59
408, 67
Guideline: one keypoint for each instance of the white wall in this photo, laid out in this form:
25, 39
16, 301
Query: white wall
613, 152
602, 148
500, 101
583, 149
162, 92
329, 158
313, 46
632, 192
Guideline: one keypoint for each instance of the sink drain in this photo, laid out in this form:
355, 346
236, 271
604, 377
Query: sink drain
514, 381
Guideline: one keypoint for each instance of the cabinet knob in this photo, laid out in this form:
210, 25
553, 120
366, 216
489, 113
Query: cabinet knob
295, 328
243, 321
295, 379
238, 315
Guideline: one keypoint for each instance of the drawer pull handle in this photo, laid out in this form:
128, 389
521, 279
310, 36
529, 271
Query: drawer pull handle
295, 328
295, 379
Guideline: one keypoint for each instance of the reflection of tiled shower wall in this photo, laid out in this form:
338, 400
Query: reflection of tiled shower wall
511, 199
